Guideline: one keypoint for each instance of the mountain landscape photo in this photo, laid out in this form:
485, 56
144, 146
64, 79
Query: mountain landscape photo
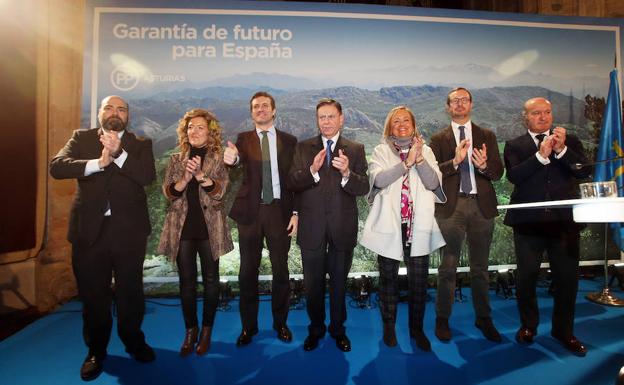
497, 108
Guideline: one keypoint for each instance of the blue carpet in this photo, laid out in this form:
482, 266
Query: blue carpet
51, 350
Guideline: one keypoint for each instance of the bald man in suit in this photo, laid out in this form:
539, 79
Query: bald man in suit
541, 164
108, 229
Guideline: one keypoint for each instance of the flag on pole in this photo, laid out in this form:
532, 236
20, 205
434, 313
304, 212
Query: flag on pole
612, 146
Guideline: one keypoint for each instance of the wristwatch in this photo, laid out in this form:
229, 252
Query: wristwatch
203, 179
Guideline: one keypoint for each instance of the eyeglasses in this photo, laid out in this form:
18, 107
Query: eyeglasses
263, 106
457, 101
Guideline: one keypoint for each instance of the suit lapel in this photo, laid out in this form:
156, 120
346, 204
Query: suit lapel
477, 137
318, 145
126, 140
340, 145
314, 147
254, 143
255, 152
450, 139
528, 142
278, 143
281, 152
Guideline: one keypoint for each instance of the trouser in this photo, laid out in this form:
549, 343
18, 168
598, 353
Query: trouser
94, 267
417, 272
187, 271
315, 265
271, 227
563, 255
466, 222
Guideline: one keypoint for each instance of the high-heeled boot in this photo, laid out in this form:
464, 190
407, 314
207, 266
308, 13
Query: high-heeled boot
190, 338
204, 340
389, 334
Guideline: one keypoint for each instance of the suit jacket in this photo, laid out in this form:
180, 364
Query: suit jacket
326, 209
535, 182
122, 188
247, 202
211, 203
443, 145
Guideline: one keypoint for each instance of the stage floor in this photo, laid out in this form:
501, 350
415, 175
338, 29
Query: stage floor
50, 351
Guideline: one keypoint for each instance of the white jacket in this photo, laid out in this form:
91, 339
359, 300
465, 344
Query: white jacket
382, 230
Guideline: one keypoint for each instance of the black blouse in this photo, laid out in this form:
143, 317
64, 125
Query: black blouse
195, 224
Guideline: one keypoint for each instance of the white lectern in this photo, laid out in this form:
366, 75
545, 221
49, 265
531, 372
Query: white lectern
587, 210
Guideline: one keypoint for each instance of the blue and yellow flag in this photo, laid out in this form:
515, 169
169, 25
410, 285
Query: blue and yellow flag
611, 146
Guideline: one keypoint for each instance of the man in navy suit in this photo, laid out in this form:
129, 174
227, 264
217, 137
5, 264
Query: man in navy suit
328, 173
108, 229
469, 160
541, 164
263, 210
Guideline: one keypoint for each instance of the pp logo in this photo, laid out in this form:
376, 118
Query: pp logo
124, 77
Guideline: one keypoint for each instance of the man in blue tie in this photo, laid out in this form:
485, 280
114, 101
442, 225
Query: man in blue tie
469, 160
328, 173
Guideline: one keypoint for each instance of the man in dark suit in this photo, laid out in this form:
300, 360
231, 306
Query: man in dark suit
328, 172
469, 160
263, 210
108, 229
541, 164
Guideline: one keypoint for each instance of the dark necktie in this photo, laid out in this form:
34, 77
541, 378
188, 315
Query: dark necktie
540, 139
328, 152
267, 180
464, 167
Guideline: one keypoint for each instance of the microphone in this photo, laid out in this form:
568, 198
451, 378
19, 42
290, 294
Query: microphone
578, 166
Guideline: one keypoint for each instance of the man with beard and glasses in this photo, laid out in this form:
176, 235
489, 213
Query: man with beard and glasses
108, 229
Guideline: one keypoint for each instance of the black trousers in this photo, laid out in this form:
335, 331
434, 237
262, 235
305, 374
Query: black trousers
563, 255
270, 227
417, 272
316, 263
187, 271
94, 267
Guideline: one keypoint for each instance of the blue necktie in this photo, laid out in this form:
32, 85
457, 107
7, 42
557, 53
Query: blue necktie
464, 167
328, 152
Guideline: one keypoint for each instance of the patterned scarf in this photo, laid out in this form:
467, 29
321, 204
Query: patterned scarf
407, 206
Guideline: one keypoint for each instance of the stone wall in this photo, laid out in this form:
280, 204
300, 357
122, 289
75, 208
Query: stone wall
43, 277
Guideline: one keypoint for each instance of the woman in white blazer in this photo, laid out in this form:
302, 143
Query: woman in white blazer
406, 184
